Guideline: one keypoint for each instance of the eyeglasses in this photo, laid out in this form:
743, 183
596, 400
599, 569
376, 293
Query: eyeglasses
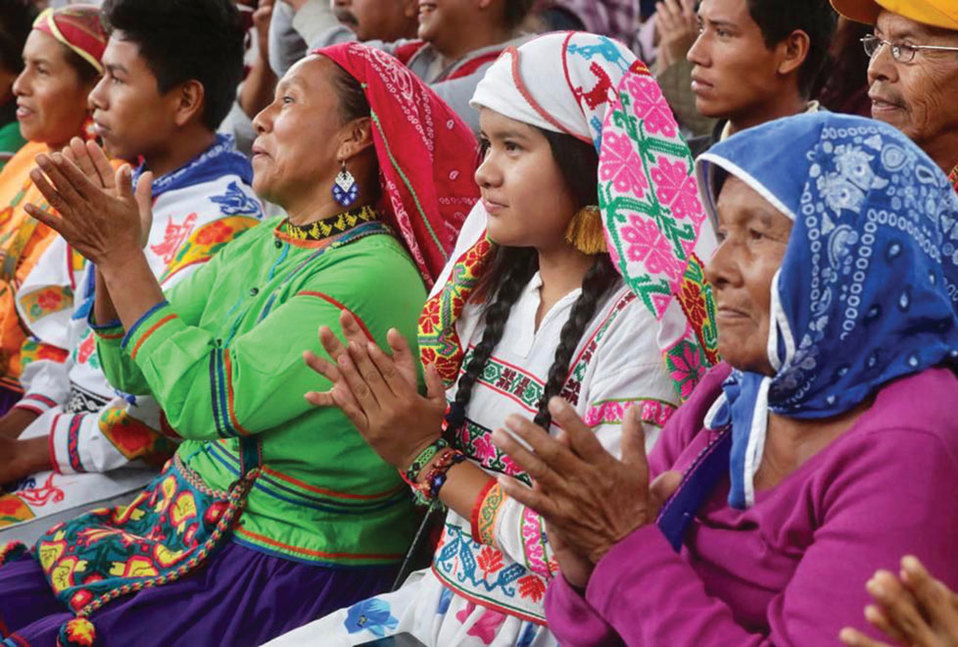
899, 51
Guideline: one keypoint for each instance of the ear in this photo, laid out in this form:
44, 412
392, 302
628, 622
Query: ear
189, 100
792, 52
355, 137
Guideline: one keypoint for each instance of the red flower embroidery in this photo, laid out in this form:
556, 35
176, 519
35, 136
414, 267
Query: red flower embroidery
49, 299
532, 587
693, 303
489, 560
213, 233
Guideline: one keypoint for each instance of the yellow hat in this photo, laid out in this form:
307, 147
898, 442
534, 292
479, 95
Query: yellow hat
938, 13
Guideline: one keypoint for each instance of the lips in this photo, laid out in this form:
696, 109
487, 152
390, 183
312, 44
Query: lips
883, 100
23, 112
700, 85
728, 312
258, 151
492, 207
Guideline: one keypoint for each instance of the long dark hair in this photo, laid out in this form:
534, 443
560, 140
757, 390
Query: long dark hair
513, 267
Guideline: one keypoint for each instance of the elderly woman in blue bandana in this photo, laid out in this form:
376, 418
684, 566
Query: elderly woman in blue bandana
825, 446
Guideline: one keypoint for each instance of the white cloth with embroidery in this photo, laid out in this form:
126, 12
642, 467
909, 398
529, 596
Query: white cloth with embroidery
99, 437
477, 594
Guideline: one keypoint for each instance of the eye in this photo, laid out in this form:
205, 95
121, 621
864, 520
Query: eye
286, 99
755, 234
721, 32
511, 147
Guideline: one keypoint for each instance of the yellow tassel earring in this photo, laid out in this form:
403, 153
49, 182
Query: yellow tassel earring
585, 231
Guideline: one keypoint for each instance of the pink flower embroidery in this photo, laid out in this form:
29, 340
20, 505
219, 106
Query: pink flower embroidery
648, 246
485, 627
650, 105
621, 164
677, 189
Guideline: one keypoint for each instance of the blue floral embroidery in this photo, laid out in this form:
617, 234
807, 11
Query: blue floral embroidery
372, 614
236, 201
457, 560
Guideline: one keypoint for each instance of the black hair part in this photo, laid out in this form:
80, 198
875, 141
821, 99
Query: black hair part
16, 21
353, 103
513, 267
779, 18
183, 40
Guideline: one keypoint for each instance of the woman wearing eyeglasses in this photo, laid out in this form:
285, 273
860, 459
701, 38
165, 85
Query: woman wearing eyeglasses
913, 72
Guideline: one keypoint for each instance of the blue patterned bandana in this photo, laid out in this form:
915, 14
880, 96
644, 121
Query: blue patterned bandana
868, 287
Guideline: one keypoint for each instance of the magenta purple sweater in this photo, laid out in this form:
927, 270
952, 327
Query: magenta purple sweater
791, 570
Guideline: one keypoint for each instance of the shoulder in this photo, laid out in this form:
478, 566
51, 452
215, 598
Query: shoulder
918, 405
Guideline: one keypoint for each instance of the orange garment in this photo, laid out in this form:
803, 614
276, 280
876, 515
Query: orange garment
22, 240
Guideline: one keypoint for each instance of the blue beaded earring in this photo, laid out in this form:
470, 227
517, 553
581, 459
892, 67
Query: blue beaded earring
345, 188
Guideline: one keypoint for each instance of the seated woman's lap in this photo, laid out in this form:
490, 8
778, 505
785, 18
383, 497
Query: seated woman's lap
241, 597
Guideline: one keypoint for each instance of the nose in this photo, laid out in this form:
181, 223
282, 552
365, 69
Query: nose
97, 97
263, 121
21, 87
882, 67
488, 174
723, 268
698, 53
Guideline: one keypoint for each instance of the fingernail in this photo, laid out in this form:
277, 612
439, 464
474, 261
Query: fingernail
910, 564
370, 346
874, 588
35, 175
513, 422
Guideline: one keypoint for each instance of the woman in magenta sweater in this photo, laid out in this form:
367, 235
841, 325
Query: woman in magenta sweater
826, 446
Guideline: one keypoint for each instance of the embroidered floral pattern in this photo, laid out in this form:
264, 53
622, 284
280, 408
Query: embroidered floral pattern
511, 589
46, 301
612, 412
371, 615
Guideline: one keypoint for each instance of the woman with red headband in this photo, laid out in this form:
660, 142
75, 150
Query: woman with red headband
61, 66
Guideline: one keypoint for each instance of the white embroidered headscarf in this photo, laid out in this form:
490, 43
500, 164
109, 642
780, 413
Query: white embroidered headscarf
593, 88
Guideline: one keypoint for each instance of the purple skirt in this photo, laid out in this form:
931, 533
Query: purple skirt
240, 597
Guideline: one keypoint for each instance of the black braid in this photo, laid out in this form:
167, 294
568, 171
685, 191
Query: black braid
595, 283
517, 267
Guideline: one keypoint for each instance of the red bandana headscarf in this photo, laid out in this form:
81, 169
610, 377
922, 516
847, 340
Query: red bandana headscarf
427, 155
78, 27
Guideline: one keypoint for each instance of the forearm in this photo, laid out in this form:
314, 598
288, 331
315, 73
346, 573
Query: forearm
131, 290
15, 421
464, 483
256, 92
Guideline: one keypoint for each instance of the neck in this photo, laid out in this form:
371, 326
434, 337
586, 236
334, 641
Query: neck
782, 104
475, 37
184, 146
943, 149
561, 270
791, 442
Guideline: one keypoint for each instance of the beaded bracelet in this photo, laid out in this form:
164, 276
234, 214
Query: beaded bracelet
411, 475
427, 489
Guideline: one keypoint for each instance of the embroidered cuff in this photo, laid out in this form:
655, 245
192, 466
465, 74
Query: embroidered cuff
150, 330
35, 403
65, 444
109, 331
486, 511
